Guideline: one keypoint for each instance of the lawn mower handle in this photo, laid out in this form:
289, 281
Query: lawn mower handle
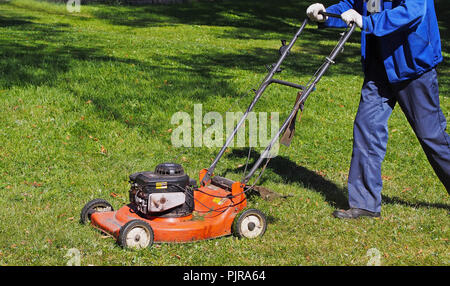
265, 83
301, 100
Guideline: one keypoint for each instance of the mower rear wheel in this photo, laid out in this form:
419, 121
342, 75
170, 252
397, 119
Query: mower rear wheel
136, 234
96, 205
250, 223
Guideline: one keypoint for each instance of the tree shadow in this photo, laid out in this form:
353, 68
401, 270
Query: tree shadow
304, 61
33, 59
14, 21
261, 15
256, 20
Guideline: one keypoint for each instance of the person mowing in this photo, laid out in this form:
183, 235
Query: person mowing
400, 49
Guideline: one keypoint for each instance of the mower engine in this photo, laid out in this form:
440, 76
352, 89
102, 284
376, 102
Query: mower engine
166, 192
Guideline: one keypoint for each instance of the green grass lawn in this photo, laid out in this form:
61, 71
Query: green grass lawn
86, 99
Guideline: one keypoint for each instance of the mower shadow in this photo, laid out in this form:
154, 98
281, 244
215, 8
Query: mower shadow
291, 173
334, 195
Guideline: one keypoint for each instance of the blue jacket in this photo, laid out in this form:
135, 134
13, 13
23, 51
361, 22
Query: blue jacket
407, 31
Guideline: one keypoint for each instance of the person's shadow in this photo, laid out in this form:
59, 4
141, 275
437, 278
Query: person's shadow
333, 194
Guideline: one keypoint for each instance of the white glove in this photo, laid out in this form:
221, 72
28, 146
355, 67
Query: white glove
313, 12
351, 16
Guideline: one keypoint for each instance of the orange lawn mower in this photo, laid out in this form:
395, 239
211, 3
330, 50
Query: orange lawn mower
168, 206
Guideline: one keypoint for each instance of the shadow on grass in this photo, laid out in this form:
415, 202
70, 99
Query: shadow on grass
32, 58
334, 195
262, 15
250, 20
399, 201
291, 173
253, 20
14, 21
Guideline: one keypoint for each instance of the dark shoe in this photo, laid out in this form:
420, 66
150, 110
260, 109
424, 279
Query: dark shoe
354, 213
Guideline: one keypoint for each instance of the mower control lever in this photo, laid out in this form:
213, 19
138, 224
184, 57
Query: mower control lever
270, 67
283, 48
286, 83
333, 15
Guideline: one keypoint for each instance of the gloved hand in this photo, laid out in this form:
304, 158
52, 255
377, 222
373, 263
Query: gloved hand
313, 12
352, 16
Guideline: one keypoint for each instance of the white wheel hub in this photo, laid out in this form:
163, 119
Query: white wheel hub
138, 237
101, 209
252, 226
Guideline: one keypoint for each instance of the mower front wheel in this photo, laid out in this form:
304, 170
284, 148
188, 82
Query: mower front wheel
96, 205
250, 223
136, 234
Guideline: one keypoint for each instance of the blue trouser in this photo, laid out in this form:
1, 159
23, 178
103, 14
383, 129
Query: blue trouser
419, 101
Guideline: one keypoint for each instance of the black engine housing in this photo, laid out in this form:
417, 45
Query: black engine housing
167, 178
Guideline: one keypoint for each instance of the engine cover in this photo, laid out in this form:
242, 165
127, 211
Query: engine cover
159, 202
166, 192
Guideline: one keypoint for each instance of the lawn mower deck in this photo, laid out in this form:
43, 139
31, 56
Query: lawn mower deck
219, 210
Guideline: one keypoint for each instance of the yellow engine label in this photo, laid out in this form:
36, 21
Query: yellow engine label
161, 185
